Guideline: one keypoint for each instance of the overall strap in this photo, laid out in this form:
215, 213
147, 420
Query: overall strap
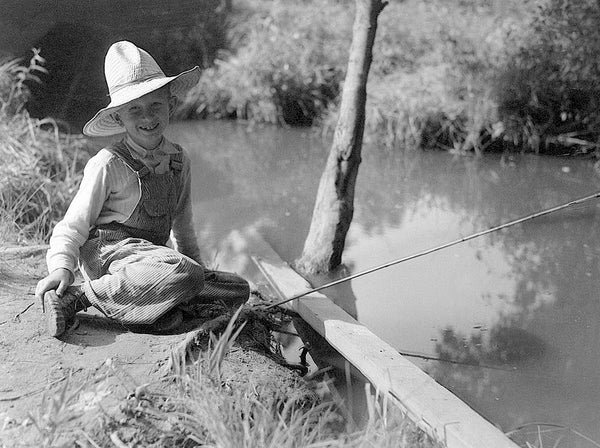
176, 161
120, 150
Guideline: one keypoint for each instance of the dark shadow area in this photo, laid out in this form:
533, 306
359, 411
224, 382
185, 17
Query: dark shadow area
346, 380
102, 324
179, 36
189, 324
504, 345
74, 87
93, 331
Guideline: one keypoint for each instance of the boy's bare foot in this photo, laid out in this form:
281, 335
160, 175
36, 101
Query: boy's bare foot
60, 311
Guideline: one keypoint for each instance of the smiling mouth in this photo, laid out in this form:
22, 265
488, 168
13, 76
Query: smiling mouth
149, 128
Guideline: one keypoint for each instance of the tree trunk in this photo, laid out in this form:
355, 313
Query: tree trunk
334, 205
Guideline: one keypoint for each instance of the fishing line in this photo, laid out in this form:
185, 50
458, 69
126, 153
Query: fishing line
428, 251
505, 368
452, 361
510, 369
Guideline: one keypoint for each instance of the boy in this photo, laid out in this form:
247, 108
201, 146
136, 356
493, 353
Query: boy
134, 197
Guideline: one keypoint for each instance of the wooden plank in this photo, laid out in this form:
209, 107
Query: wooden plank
431, 406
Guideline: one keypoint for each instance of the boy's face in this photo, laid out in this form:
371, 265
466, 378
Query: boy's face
146, 118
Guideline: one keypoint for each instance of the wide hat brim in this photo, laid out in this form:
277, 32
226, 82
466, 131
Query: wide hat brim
103, 123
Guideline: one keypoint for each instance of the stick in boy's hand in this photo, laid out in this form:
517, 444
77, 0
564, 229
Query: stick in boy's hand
40, 296
41, 299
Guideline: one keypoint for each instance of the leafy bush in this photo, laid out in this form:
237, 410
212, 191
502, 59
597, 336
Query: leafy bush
456, 75
549, 90
429, 81
287, 66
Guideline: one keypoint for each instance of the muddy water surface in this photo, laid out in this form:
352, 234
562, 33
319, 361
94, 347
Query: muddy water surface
515, 314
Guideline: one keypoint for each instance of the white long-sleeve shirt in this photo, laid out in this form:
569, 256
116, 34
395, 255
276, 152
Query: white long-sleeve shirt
109, 191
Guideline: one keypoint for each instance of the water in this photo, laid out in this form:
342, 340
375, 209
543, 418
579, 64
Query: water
516, 310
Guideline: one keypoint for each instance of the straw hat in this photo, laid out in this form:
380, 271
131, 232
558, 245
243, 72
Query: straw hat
130, 74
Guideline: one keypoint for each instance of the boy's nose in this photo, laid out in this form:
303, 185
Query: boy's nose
147, 115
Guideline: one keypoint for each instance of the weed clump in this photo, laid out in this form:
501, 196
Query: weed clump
41, 165
548, 92
286, 68
202, 404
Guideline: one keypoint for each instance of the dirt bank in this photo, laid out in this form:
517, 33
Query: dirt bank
108, 362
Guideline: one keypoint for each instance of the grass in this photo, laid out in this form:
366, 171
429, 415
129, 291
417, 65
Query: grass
429, 84
42, 166
198, 406
543, 434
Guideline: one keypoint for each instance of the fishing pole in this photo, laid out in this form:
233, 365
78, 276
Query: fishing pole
434, 249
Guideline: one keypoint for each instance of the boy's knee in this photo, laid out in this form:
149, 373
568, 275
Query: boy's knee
194, 272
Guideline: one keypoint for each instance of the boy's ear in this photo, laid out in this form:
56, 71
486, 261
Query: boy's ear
172, 104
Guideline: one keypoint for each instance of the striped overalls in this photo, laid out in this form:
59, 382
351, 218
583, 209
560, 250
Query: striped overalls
131, 275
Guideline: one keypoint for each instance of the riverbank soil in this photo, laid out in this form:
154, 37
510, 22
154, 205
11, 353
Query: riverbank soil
70, 387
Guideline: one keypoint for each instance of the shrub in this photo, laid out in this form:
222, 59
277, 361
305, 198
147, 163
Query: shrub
549, 90
447, 74
287, 66
429, 81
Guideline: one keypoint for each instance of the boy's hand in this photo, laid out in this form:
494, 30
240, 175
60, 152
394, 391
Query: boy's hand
59, 280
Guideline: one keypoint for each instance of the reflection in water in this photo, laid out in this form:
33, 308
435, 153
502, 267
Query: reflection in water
505, 345
525, 298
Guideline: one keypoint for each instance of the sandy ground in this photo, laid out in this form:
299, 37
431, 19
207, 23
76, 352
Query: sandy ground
35, 366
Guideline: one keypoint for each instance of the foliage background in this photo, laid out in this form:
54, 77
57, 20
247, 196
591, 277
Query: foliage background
456, 75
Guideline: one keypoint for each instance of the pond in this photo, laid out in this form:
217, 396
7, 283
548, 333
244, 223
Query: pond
514, 314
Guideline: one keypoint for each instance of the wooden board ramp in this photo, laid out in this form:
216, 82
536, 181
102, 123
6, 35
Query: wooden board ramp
431, 406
